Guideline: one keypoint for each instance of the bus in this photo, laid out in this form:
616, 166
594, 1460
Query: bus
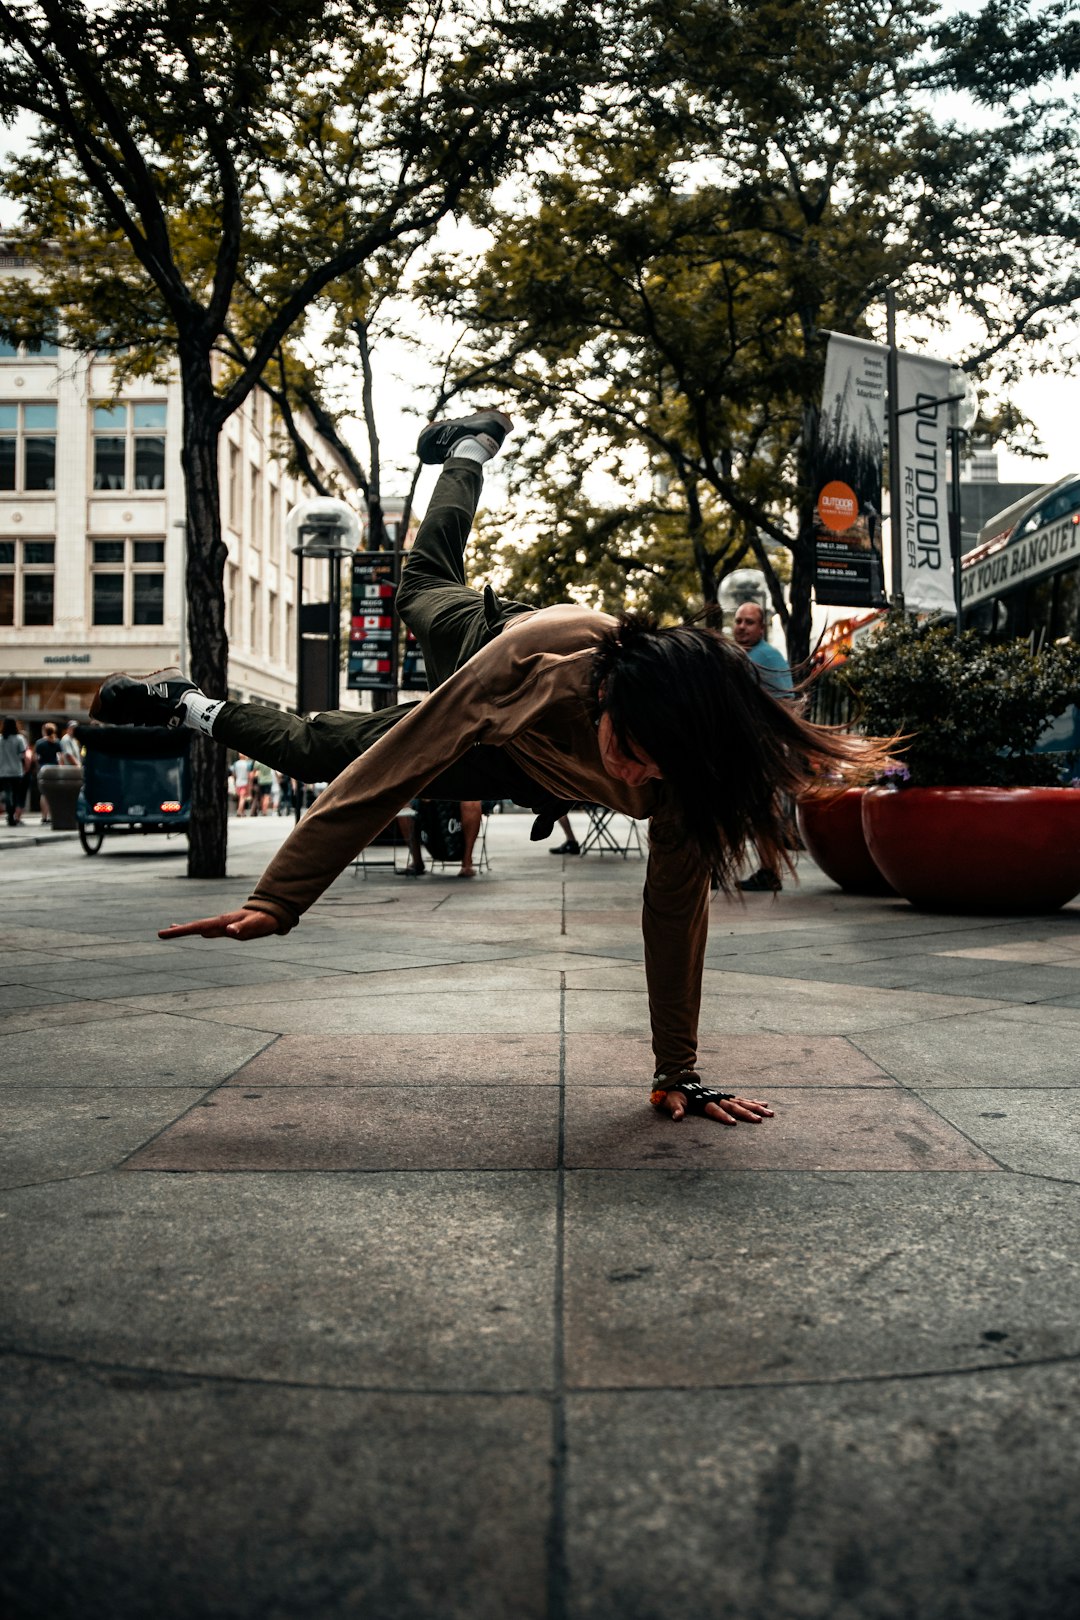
1023, 576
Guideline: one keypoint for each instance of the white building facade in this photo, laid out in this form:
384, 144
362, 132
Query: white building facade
92, 536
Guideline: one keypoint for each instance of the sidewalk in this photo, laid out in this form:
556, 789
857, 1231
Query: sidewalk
350, 1273
29, 834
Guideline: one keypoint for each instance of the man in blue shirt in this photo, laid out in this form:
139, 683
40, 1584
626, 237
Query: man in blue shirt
775, 672
749, 631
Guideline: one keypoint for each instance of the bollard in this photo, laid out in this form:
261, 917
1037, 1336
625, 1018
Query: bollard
61, 784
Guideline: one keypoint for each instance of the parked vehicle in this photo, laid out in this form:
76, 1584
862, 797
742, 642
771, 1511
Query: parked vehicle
135, 779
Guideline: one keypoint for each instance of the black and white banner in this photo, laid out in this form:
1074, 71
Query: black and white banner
847, 499
919, 497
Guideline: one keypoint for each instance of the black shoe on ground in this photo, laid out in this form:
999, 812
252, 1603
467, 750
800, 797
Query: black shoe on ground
761, 882
436, 443
142, 700
571, 847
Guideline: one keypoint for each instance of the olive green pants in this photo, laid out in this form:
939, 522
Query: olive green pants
451, 622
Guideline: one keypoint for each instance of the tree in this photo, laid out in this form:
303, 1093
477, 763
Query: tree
200, 177
764, 173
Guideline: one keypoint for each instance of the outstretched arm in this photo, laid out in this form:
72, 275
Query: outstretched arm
230, 925
675, 926
358, 805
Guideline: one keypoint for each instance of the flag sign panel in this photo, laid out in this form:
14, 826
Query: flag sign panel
413, 671
920, 499
373, 622
847, 508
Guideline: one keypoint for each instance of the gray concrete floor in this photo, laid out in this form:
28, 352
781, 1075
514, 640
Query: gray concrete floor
350, 1273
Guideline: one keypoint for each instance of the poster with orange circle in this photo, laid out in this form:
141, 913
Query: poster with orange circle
837, 507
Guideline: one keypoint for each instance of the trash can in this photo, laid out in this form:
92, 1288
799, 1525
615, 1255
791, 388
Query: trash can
60, 785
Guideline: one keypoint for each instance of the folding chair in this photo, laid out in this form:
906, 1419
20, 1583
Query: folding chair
389, 839
602, 836
441, 834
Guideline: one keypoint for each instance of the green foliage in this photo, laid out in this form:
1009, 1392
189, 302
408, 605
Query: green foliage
747, 177
973, 710
202, 177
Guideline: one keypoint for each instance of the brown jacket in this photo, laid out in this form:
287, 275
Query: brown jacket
526, 692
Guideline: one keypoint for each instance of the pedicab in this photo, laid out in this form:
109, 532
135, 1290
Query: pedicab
135, 779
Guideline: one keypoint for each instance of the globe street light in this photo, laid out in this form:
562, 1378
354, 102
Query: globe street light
320, 527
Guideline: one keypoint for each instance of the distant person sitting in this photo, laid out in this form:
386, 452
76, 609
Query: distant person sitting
570, 846
471, 813
775, 675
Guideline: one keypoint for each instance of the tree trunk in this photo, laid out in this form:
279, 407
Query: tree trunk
208, 645
695, 524
804, 551
802, 583
377, 536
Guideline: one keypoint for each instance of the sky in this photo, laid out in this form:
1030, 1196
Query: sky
404, 380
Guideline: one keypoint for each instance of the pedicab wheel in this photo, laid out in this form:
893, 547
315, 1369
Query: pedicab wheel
91, 836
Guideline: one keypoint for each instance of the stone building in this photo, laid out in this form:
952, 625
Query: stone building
92, 535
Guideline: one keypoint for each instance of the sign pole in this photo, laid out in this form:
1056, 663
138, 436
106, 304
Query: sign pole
896, 600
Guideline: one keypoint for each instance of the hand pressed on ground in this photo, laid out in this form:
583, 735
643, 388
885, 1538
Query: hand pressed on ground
229, 925
728, 1113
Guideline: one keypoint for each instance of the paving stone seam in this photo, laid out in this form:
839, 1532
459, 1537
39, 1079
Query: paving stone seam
778, 946
198, 1103
1043, 1175
536, 1392
310, 1086
557, 1569
978, 1146
570, 1170
951, 1123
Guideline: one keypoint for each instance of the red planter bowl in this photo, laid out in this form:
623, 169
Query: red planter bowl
977, 849
832, 831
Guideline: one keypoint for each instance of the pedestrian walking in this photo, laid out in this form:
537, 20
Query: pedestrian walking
550, 708
775, 673
241, 775
70, 747
13, 767
46, 752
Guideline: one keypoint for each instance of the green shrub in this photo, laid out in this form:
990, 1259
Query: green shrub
973, 711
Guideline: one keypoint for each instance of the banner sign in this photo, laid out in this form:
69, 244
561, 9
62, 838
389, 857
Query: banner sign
920, 497
1026, 556
413, 671
373, 623
847, 508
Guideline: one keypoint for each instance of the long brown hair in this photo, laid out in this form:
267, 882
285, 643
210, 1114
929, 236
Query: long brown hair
732, 755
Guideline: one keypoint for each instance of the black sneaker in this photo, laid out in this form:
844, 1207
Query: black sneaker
761, 882
571, 847
436, 443
142, 700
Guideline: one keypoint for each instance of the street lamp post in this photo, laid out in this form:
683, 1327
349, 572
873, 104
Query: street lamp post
181, 524
963, 409
321, 527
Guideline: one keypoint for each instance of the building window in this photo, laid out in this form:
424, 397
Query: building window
27, 447
274, 515
127, 581
255, 507
272, 624
36, 349
231, 593
290, 648
236, 494
27, 573
129, 446
253, 614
